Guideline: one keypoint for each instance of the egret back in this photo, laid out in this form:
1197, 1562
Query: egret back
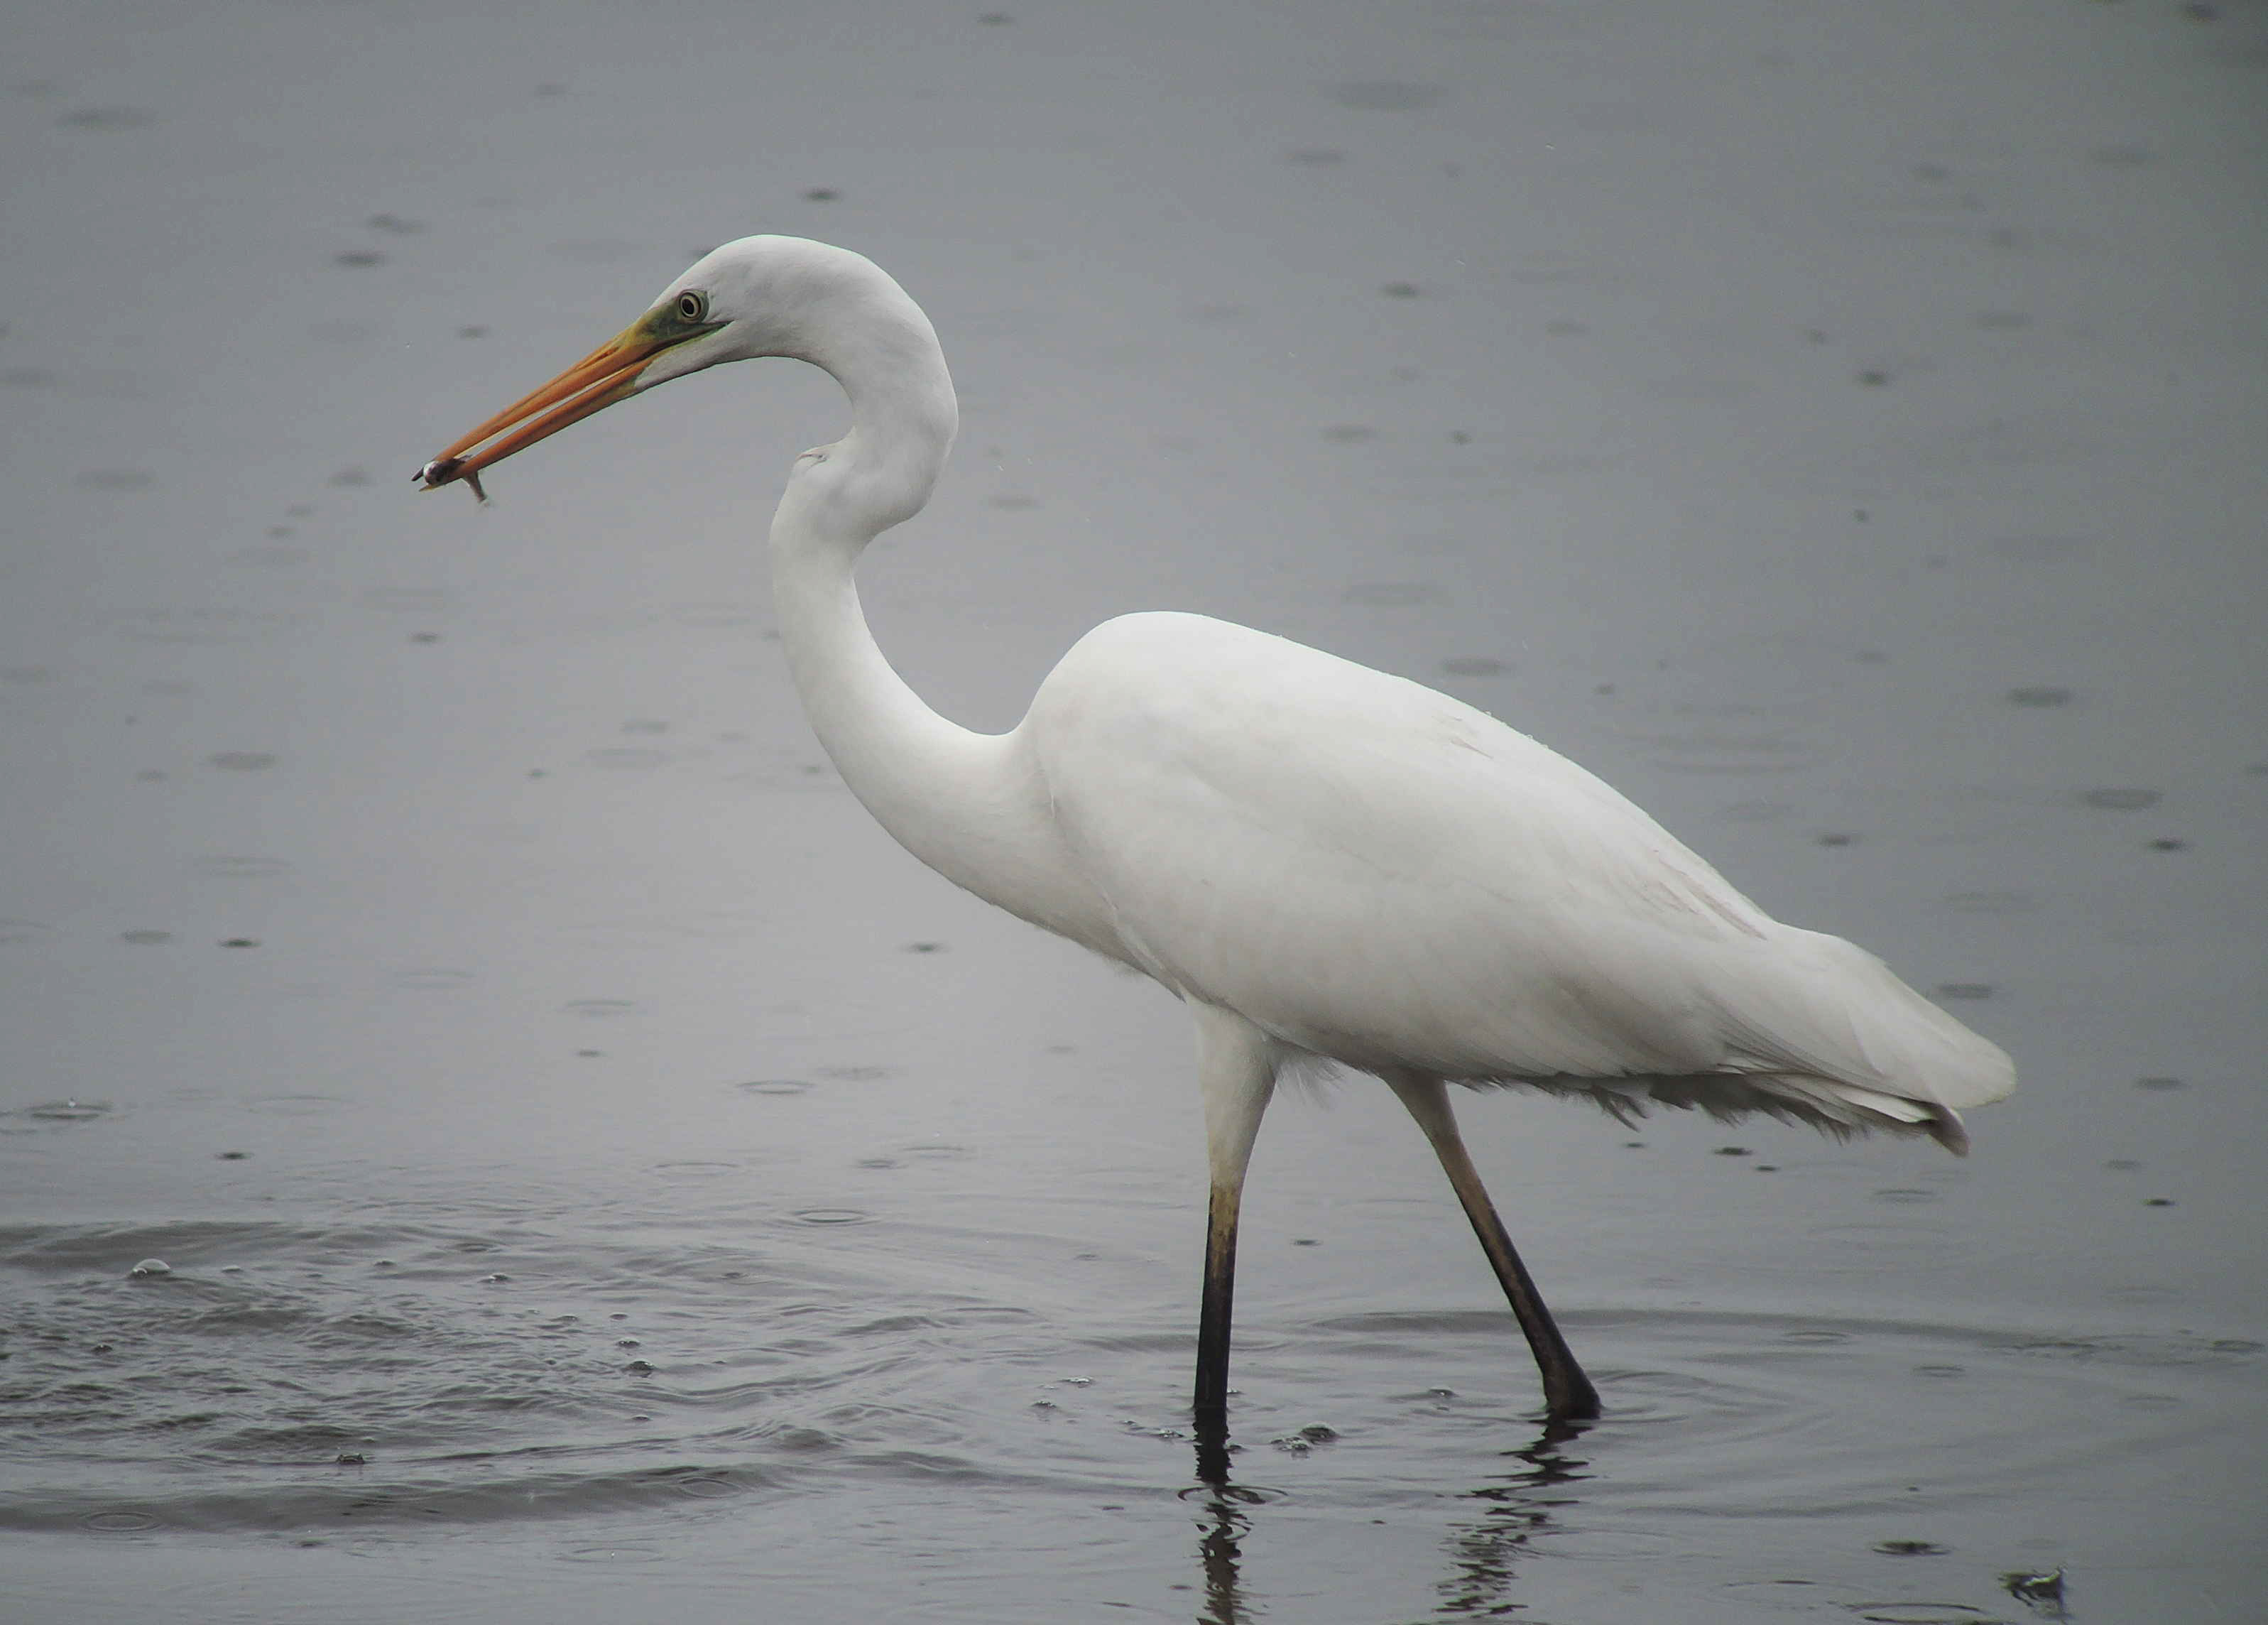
1379, 874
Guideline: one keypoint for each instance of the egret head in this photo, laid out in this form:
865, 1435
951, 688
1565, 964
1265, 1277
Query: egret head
759, 296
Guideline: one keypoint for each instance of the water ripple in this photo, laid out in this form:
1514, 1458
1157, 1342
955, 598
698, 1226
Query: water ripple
565, 1355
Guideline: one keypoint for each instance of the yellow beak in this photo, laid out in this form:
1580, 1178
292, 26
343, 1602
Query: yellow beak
608, 374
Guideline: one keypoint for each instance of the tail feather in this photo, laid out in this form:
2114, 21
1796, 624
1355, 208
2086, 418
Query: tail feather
1816, 1031
1837, 1109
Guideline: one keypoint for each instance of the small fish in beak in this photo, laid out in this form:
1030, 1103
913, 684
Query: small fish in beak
442, 470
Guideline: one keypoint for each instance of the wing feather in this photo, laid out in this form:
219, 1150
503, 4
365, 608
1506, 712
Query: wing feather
1376, 873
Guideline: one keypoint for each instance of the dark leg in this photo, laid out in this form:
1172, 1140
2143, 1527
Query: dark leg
1237, 1077
1568, 1395
1214, 1309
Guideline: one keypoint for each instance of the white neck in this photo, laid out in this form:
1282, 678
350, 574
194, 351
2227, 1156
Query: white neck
951, 796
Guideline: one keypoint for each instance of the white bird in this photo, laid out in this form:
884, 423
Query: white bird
1320, 861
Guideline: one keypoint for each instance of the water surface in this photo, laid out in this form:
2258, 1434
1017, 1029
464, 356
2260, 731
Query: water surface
492, 1131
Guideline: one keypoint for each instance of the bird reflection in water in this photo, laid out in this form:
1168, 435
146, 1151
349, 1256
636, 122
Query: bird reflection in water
1515, 1507
1218, 1557
1518, 1506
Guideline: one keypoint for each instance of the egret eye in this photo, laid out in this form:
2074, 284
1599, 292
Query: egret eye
693, 306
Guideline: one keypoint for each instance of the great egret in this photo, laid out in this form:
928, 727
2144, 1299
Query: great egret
1320, 861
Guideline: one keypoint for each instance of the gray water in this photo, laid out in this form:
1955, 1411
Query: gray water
597, 1176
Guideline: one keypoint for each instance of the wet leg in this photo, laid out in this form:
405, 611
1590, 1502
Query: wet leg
1236, 1075
1568, 1395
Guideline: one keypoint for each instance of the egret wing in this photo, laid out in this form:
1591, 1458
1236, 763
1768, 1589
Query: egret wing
1375, 872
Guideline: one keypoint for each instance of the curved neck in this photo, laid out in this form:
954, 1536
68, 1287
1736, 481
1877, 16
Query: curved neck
948, 794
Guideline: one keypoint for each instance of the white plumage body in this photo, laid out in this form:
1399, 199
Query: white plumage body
1372, 872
